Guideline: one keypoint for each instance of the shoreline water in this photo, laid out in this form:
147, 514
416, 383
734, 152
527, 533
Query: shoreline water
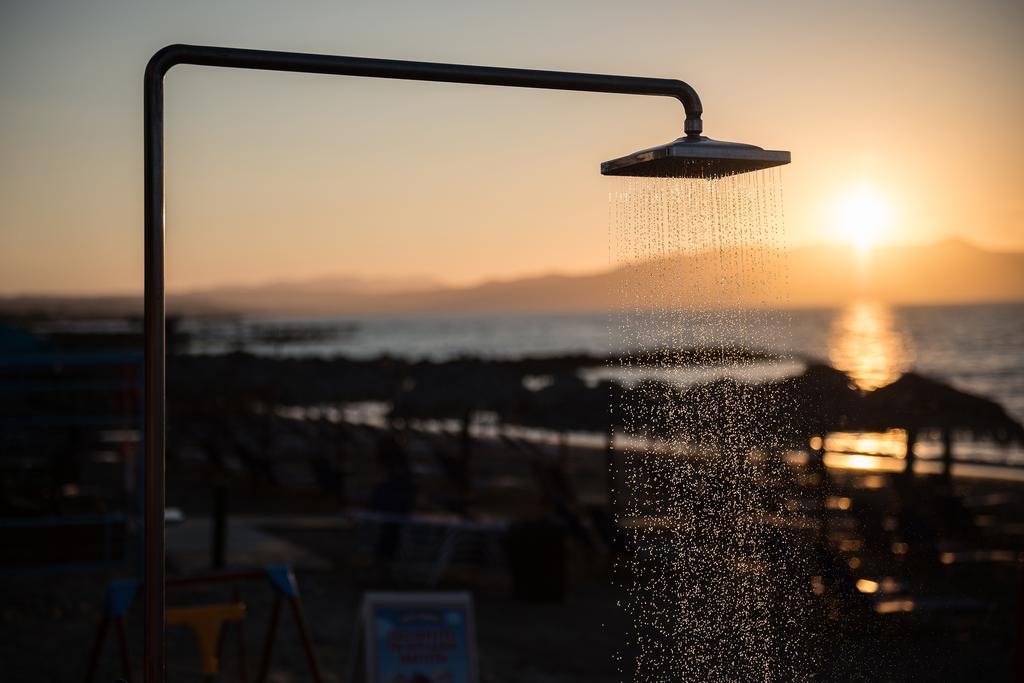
978, 348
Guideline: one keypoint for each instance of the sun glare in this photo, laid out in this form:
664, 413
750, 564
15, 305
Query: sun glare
861, 217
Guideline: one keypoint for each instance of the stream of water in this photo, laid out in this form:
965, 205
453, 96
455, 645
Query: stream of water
710, 586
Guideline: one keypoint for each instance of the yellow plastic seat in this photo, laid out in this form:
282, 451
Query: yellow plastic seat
205, 622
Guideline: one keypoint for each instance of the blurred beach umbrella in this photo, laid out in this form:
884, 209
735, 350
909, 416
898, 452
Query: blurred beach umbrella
242, 381
651, 408
458, 390
917, 403
818, 400
723, 412
568, 403
767, 414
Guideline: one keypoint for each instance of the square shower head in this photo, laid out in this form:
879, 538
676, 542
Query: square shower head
695, 157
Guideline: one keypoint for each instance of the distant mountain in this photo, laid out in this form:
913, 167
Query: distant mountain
309, 296
947, 272
951, 271
341, 283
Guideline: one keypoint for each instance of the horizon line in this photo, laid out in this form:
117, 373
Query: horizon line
439, 284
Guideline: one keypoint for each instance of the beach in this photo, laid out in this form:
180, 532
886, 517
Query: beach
903, 628
579, 492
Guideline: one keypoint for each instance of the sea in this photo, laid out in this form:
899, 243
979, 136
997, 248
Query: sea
977, 348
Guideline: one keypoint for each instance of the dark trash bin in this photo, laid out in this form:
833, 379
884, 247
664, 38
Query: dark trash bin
536, 554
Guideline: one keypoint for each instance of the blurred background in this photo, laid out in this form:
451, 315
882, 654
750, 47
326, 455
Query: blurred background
756, 429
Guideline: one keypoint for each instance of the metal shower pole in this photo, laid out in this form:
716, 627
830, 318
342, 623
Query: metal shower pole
155, 315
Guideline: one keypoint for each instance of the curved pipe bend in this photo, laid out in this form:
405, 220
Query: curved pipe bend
162, 61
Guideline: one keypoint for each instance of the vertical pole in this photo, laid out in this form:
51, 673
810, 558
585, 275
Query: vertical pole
910, 457
947, 454
307, 639
97, 649
126, 657
1018, 668
153, 401
268, 642
819, 471
243, 675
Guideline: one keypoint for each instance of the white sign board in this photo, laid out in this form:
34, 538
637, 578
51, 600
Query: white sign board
418, 638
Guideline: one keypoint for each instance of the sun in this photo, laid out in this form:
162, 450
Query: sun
862, 216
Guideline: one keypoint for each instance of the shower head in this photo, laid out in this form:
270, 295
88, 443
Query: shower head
695, 156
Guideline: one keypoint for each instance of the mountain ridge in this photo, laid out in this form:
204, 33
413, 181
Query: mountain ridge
952, 271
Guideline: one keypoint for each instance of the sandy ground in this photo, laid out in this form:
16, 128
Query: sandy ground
48, 620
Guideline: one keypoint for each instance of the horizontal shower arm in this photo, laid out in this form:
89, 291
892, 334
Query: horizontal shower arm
267, 60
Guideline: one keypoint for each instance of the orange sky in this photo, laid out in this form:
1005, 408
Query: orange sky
276, 176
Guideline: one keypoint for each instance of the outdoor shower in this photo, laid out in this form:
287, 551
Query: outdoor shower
695, 156
691, 156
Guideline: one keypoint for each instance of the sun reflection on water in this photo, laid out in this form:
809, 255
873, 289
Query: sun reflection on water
866, 344
892, 443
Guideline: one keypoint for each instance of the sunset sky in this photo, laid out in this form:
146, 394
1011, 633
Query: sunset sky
907, 112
